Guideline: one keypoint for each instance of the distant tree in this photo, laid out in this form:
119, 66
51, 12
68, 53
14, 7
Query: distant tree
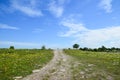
43, 47
85, 49
76, 46
113, 49
90, 49
69, 49
95, 49
102, 48
80, 48
12, 47
109, 49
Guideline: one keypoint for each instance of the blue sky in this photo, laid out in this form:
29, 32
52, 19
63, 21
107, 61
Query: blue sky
59, 23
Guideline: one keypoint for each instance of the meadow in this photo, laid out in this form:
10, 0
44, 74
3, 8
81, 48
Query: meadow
95, 65
21, 62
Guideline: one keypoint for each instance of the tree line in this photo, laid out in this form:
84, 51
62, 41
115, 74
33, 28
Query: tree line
100, 49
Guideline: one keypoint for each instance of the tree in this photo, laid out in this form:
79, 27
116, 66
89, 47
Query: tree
12, 47
102, 48
76, 46
85, 49
43, 47
95, 49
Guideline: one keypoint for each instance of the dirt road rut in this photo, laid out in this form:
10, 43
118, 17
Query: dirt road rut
57, 69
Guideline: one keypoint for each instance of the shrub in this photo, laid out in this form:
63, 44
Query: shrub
11, 47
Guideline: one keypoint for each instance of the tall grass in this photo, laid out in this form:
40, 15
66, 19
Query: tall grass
21, 62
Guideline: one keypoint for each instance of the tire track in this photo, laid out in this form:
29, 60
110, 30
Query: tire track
57, 69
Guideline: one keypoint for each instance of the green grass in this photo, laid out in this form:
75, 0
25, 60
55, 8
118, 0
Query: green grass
104, 64
21, 62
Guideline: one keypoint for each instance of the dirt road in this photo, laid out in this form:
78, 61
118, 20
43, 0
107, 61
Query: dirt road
57, 69
64, 67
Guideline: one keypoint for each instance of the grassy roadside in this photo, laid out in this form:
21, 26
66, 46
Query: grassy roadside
95, 65
22, 62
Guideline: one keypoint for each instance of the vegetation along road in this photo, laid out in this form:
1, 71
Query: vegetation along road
17, 63
72, 64
57, 69
79, 65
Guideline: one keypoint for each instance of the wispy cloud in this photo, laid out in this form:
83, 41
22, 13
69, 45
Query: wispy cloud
106, 5
56, 7
18, 43
109, 36
73, 28
29, 7
5, 26
29, 44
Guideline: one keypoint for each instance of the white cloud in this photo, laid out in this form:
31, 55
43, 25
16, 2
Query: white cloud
56, 7
28, 7
109, 36
106, 5
73, 28
5, 26
98, 37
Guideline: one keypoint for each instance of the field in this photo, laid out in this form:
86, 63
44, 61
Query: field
95, 65
68, 64
21, 62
